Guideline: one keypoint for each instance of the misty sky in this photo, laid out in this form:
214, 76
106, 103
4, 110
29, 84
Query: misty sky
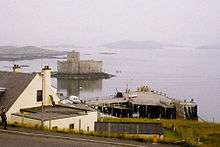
94, 22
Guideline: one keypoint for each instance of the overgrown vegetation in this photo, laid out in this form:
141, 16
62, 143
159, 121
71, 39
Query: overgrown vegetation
188, 132
135, 137
193, 132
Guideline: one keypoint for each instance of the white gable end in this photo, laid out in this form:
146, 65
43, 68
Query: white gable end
28, 98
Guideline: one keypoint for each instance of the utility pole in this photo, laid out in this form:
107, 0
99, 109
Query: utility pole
42, 104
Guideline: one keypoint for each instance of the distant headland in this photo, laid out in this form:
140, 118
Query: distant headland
131, 44
11, 53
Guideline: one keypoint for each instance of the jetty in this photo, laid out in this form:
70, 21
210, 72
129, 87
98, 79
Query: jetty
145, 103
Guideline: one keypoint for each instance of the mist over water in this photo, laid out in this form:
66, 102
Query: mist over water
182, 73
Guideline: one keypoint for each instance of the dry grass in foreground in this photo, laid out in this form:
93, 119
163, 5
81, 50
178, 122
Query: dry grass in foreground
193, 132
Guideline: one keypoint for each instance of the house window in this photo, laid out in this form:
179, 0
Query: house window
71, 127
54, 128
39, 95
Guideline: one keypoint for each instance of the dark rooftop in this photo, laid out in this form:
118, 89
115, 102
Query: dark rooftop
14, 84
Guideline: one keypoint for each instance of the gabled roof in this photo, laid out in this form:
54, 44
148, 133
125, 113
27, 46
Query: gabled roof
14, 84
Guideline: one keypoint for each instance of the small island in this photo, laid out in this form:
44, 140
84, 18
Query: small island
74, 68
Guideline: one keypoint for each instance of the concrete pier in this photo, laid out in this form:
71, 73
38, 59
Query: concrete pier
146, 105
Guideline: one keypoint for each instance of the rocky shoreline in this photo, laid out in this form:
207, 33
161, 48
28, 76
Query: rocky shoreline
29, 57
27, 53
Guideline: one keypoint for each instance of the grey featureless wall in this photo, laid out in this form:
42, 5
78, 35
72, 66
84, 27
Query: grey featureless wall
68, 67
129, 127
90, 66
71, 65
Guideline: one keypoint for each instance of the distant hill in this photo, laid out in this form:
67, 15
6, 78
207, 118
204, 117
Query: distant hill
213, 46
129, 44
7, 47
27, 53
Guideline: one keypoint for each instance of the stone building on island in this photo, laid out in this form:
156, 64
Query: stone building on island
73, 65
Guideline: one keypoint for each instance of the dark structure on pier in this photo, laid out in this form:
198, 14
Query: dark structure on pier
149, 104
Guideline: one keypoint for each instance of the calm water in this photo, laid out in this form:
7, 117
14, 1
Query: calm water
182, 73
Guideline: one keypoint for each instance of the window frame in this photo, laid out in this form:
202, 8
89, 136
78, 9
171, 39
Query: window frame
71, 126
39, 95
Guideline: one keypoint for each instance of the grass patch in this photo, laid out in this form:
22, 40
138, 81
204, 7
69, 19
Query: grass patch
125, 136
193, 132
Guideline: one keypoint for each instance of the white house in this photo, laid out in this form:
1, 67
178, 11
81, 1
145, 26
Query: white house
30, 99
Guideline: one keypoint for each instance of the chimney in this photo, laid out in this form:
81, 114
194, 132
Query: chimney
46, 85
16, 68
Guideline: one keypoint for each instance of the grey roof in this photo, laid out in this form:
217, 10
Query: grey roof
14, 84
46, 116
141, 98
79, 106
51, 112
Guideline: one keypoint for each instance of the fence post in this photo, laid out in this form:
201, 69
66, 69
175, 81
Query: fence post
22, 119
137, 128
109, 129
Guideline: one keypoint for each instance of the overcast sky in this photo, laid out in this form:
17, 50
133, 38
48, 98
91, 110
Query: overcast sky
94, 22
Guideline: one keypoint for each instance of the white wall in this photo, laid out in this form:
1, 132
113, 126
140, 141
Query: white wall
86, 121
28, 98
25, 121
